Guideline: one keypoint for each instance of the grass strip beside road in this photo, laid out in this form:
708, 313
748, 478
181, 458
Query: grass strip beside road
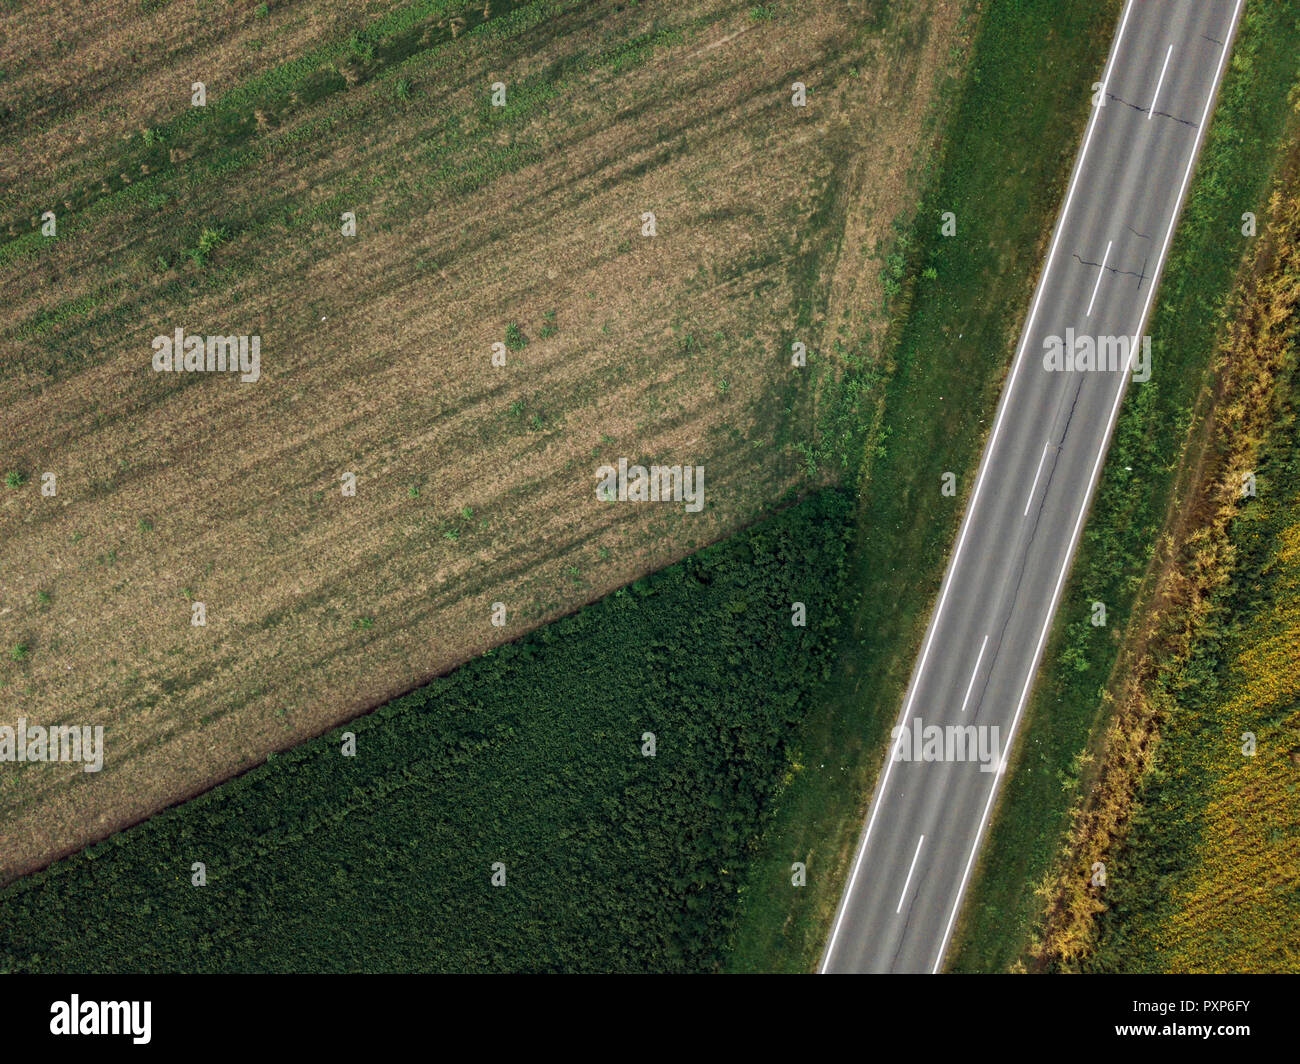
1004, 169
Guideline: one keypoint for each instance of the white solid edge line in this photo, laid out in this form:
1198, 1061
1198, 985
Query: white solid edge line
973, 673
1003, 405
1096, 469
1037, 473
1100, 274
908, 881
1155, 99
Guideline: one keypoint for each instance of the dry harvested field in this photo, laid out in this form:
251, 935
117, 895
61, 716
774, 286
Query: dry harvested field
475, 225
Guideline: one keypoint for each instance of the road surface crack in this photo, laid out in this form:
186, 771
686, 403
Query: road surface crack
1154, 114
1116, 270
1038, 513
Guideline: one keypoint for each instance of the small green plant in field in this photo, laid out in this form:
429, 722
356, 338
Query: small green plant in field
467, 513
19, 651
930, 273
43, 597
452, 534
361, 51
188, 596
762, 13
209, 240
515, 338
363, 623
261, 11
144, 524
517, 409
535, 423
892, 275
549, 328
15, 479
413, 492
402, 90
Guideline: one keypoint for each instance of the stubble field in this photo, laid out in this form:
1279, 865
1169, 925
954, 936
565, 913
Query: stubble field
475, 225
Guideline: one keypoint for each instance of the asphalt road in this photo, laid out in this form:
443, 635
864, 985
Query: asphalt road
1035, 482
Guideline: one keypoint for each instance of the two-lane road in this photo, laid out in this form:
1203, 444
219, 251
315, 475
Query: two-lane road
1034, 485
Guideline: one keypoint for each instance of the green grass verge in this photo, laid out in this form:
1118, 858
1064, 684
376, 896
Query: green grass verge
1235, 175
1006, 161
